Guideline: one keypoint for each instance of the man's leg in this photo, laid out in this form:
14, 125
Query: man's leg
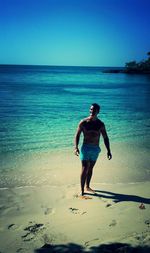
85, 166
89, 175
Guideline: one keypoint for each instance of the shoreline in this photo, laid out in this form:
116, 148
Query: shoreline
128, 165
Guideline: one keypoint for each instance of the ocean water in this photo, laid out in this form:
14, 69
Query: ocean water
41, 106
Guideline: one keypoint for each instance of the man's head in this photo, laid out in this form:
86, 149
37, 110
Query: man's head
94, 109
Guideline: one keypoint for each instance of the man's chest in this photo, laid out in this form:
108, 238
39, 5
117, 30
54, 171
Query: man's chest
91, 126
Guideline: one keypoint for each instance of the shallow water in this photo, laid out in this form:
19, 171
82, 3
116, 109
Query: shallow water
42, 105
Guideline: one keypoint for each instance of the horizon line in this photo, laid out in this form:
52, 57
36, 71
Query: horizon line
46, 65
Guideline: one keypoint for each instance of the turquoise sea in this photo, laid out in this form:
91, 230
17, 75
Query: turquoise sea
41, 106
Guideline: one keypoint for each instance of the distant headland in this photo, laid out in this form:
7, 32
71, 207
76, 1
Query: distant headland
133, 67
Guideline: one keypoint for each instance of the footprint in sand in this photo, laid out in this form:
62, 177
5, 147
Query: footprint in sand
76, 211
108, 205
144, 237
13, 226
49, 211
88, 243
32, 231
147, 222
82, 197
113, 223
20, 250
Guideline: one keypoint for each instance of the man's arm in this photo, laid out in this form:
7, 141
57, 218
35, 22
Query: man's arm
106, 141
77, 138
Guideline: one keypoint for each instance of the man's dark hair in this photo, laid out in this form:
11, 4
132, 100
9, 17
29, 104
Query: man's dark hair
96, 106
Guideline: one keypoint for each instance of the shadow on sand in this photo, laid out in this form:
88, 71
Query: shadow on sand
104, 248
117, 197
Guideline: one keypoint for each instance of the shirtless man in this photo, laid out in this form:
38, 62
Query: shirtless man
92, 128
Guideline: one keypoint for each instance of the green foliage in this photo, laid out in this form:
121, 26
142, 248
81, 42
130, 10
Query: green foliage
142, 67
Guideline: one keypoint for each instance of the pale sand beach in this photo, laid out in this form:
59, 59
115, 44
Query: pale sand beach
40, 210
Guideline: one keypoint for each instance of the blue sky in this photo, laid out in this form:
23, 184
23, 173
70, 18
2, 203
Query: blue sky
74, 32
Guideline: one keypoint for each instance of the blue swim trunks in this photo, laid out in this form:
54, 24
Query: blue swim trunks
89, 152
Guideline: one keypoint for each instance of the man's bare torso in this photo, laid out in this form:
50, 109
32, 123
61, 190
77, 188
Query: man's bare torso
91, 130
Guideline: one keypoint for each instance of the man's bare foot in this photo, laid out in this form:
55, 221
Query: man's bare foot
90, 190
82, 196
